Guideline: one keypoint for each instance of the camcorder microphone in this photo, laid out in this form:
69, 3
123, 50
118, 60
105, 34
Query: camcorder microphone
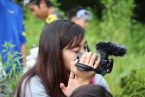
105, 49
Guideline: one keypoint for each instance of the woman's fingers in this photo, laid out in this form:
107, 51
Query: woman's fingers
62, 86
92, 60
97, 63
88, 58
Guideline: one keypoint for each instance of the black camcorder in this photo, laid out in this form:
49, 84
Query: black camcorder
105, 49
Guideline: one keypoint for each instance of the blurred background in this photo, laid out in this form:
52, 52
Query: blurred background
120, 21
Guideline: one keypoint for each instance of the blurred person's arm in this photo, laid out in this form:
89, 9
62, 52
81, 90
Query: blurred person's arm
24, 53
22, 37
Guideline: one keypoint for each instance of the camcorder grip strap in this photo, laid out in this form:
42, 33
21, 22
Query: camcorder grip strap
84, 67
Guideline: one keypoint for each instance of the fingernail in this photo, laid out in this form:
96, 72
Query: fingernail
76, 60
99, 58
89, 53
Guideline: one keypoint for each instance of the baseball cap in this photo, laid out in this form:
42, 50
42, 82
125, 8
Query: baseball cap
82, 13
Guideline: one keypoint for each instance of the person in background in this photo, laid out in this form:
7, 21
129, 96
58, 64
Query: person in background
12, 30
80, 16
43, 9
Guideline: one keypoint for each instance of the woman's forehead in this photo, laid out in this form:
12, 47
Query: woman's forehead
76, 43
82, 43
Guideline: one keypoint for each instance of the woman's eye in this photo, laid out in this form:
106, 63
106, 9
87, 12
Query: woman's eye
76, 51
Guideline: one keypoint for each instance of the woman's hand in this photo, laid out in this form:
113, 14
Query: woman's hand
73, 83
87, 59
77, 77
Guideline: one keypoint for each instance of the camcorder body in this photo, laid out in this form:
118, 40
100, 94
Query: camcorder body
105, 49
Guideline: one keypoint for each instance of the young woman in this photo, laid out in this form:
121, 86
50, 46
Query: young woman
59, 44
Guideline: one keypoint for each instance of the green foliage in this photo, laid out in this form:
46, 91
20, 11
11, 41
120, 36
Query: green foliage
128, 76
8, 82
137, 37
33, 27
134, 84
117, 25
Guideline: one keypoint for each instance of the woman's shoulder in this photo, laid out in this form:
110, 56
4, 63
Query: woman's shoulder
100, 80
35, 78
34, 88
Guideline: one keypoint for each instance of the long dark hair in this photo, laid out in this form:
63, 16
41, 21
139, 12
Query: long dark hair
50, 66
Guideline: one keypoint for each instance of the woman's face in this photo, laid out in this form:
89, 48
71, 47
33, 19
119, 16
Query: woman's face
70, 55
